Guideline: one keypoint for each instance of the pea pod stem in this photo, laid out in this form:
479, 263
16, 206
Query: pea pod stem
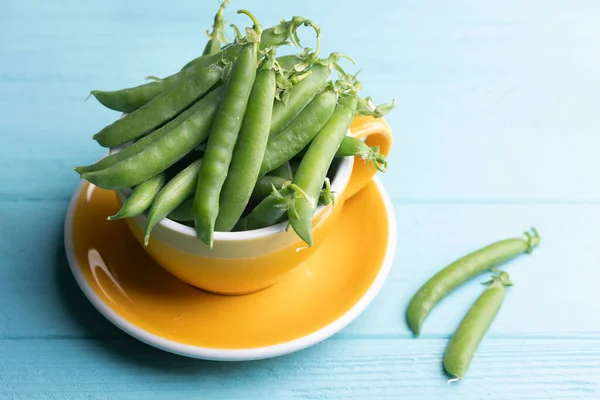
460, 271
474, 325
237, 32
257, 27
217, 36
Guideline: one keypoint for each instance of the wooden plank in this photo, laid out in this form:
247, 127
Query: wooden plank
369, 369
496, 129
41, 299
493, 105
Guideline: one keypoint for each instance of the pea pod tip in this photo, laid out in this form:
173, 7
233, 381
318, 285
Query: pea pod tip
415, 329
206, 236
533, 239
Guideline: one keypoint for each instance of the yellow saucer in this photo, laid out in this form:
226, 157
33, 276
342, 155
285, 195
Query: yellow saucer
316, 300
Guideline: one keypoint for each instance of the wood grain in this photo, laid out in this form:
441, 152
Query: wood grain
382, 369
496, 129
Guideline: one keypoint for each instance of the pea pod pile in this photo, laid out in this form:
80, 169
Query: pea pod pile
239, 138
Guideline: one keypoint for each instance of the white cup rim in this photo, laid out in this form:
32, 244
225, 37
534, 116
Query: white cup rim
338, 185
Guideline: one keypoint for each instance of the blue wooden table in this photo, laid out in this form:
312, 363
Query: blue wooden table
495, 131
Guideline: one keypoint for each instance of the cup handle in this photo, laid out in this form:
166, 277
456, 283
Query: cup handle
376, 132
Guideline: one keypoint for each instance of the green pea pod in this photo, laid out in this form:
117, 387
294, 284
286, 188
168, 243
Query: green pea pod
472, 328
353, 147
300, 95
158, 111
460, 271
221, 142
160, 154
248, 152
284, 171
172, 195
296, 136
315, 163
139, 145
141, 197
217, 36
130, 99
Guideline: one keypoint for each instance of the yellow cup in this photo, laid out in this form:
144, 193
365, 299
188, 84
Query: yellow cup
244, 262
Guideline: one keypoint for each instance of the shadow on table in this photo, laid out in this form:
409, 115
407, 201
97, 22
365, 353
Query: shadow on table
103, 336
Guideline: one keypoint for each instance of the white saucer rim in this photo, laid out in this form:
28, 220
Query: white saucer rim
207, 353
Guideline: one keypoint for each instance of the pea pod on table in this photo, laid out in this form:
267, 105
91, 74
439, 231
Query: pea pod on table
460, 271
315, 163
472, 329
141, 197
223, 135
249, 149
158, 155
